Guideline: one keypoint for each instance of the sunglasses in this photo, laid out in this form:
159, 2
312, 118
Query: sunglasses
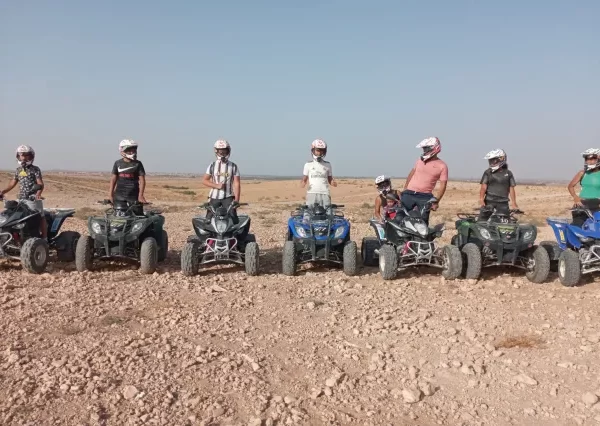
591, 157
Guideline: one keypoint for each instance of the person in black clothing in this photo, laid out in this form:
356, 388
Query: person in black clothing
128, 180
498, 184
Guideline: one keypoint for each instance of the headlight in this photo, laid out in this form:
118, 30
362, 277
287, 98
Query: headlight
220, 225
421, 228
527, 236
137, 226
202, 231
339, 232
485, 233
96, 228
3, 219
410, 225
19, 226
301, 231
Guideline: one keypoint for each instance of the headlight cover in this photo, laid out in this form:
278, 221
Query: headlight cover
339, 232
137, 226
3, 220
96, 227
485, 233
301, 231
421, 228
219, 225
528, 235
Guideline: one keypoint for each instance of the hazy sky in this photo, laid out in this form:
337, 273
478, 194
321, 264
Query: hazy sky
370, 78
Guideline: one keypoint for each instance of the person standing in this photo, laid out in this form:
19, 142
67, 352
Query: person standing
423, 178
318, 175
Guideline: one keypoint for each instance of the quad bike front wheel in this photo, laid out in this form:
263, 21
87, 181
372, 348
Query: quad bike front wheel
388, 262
190, 262
66, 245
288, 259
34, 255
569, 268
471, 261
163, 248
252, 259
539, 268
349, 258
148, 256
452, 262
84, 253
367, 251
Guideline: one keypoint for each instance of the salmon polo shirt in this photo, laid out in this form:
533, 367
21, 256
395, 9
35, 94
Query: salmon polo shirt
427, 174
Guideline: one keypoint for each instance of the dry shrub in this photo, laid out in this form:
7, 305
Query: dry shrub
520, 341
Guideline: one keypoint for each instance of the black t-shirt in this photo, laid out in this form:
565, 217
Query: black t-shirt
498, 184
128, 183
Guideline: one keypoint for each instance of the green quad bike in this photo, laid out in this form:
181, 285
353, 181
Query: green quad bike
494, 238
125, 232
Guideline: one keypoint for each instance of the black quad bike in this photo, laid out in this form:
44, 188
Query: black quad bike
407, 241
319, 235
20, 237
493, 238
124, 232
219, 240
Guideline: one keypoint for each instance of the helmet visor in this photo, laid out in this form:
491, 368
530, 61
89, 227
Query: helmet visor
222, 152
495, 161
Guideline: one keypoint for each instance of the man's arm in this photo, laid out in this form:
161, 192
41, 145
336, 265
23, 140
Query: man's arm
513, 198
571, 187
237, 188
112, 185
40, 182
441, 190
10, 186
304, 180
206, 181
410, 176
141, 197
482, 193
377, 207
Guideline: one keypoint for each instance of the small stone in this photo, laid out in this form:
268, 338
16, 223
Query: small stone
129, 392
467, 369
427, 389
589, 398
411, 396
328, 392
412, 373
444, 350
255, 366
289, 400
255, 422
218, 411
526, 380
316, 393
330, 382
310, 305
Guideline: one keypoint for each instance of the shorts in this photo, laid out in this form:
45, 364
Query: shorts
323, 200
36, 206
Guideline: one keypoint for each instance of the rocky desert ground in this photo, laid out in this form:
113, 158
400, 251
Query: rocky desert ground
113, 347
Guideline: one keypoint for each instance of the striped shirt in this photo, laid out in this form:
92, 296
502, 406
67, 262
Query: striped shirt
222, 172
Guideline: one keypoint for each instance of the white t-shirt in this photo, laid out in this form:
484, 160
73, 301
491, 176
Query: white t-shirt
318, 173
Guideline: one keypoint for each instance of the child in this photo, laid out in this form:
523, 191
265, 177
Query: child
498, 183
128, 181
318, 174
384, 186
27, 176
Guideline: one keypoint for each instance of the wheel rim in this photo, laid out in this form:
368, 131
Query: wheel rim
382, 262
446, 259
561, 267
39, 255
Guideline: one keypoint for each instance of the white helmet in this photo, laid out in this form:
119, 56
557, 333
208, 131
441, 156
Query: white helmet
25, 149
222, 144
318, 144
431, 147
384, 184
592, 152
496, 159
128, 145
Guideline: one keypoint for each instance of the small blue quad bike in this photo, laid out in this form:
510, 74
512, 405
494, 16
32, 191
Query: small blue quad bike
577, 249
319, 235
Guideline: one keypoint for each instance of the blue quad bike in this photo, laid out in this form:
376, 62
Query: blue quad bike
406, 241
316, 234
20, 237
576, 250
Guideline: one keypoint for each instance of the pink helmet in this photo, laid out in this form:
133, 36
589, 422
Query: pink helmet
318, 144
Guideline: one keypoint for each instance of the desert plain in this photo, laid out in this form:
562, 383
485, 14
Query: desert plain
113, 347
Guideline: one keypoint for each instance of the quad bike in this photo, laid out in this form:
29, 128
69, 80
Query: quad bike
319, 235
219, 240
406, 241
20, 237
493, 238
124, 232
577, 250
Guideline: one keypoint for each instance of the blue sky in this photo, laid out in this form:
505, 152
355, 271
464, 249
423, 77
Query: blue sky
370, 78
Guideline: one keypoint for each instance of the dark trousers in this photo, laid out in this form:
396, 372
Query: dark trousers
592, 204
501, 207
412, 199
138, 210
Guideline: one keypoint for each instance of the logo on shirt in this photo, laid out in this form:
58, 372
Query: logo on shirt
23, 173
126, 168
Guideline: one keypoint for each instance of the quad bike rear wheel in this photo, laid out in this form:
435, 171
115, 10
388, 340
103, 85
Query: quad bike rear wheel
288, 258
252, 259
471, 261
452, 262
367, 251
569, 268
148, 256
388, 262
554, 252
66, 245
84, 253
34, 255
540, 268
349, 256
190, 261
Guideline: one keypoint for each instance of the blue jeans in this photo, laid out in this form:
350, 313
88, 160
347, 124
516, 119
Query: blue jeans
412, 199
